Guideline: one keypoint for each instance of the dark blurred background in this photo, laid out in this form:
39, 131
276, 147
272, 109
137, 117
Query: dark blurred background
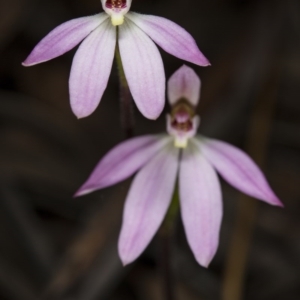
53, 246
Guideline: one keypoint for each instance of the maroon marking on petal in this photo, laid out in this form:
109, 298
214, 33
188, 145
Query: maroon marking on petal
182, 116
115, 4
186, 126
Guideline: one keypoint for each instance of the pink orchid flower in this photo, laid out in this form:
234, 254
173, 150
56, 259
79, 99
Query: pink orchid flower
194, 159
140, 57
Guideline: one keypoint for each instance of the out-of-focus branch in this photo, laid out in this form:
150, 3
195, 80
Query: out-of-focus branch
256, 146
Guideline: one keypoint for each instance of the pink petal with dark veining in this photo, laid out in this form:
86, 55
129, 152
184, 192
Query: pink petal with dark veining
201, 204
123, 161
143, 68
63, 38
91, 69
147, 203
238, 169
171, 37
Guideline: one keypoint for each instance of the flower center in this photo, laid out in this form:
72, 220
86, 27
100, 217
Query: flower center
181, 121
116, 9
115, 4
182, 124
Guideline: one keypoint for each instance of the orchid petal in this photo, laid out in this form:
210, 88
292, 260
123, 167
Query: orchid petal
63, 38
171, 37
238, 169
122, 161
143, 68
91, 69
201, 204
184, 83
147, 203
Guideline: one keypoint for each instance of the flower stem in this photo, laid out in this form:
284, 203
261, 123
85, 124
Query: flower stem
127, 120
166, 234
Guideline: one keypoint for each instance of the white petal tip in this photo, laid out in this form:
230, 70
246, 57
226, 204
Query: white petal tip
125, 261
80, 108
82, 192
78, 194
81, 115
273, 200
278, 203
203, 262
151, 116
204, 63
28, 62
154, 114
206, 265
200, 60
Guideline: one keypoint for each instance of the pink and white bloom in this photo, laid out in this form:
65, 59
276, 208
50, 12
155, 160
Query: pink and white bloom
195, 159
141, 59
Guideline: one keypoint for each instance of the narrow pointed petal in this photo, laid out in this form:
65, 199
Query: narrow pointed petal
238, 169
63, 38
184, 83
201, 204
171, 37
147, 203
91, 69
123, 161
143, 68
